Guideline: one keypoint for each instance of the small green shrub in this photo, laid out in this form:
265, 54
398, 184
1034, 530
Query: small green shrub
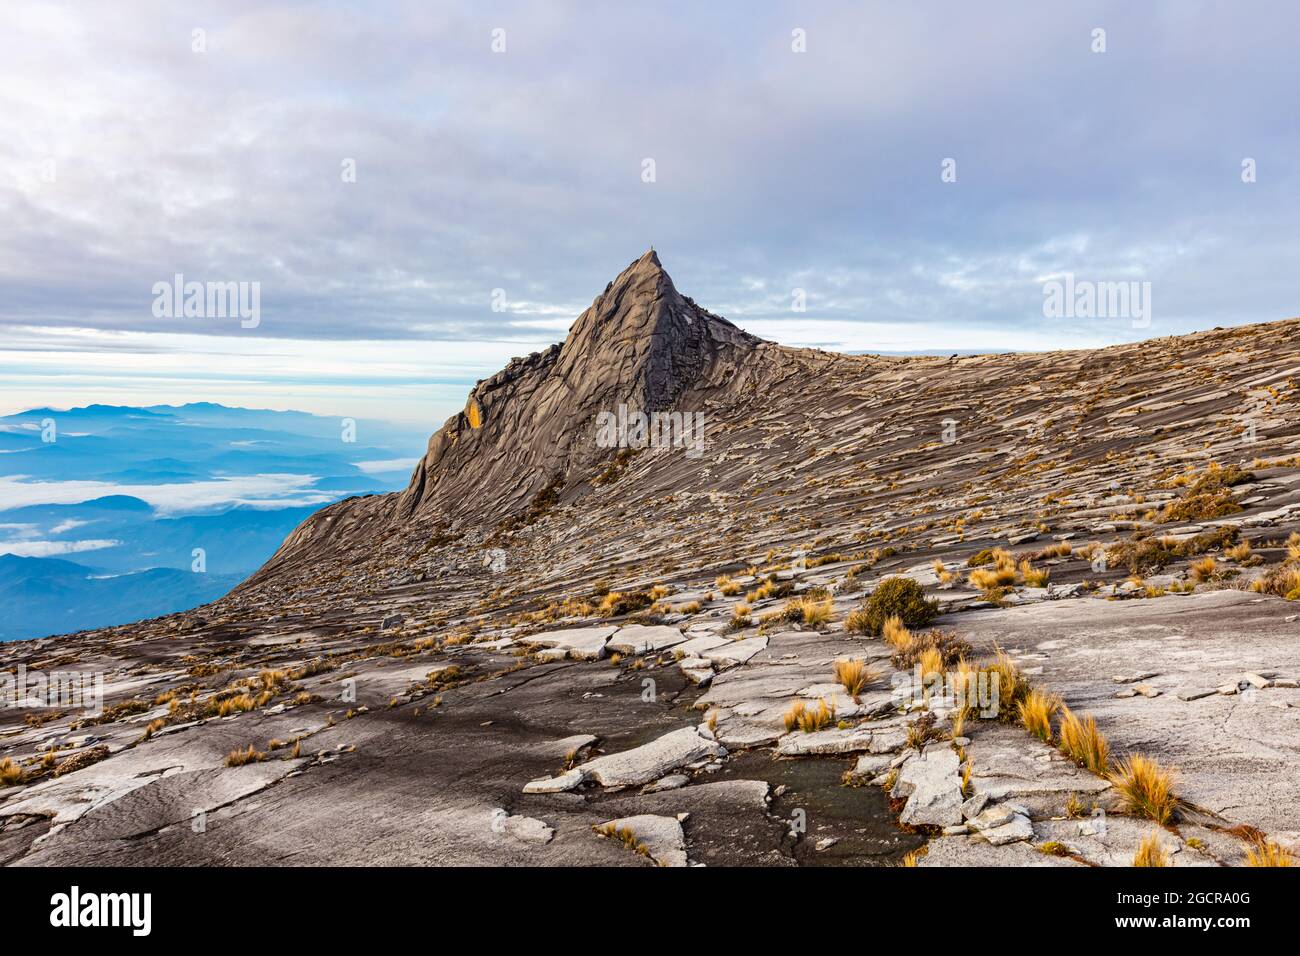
900, 597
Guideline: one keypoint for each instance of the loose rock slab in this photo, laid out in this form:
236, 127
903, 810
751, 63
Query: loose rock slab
584, 643
631, 768
662, 837
735, 652
640, 639
524, 829
932, 786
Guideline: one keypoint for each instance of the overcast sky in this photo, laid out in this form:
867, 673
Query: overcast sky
128, 156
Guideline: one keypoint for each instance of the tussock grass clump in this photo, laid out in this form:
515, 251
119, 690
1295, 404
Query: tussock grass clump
1268, 853
273, 680
898, 597
941, 573
10, 773
1012, 686
1036, 712
1208, 495
237, 758
1238, 552
728, 587
1150, 852
997, 574
1282, 581
914, 858
1081, 741
810, 610
1075, 807
1032, 576
930, 662
1199, 507
1062, 549
909, 648
1293, 547
855, 675
1145, 788
740, 618
443, 678
617, 603
809, 719
1203, 570
858, 622
1142, 553
895, 633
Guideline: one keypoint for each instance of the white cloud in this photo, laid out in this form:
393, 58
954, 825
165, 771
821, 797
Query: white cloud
391, 464
255, 491
45, 549
68, 525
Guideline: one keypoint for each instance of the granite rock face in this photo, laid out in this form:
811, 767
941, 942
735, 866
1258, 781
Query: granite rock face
642, 346
543, 634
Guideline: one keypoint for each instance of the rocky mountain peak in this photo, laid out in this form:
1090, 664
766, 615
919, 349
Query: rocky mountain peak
641, 342
530, 429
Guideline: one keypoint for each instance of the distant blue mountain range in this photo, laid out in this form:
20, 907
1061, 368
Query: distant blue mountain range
110, 514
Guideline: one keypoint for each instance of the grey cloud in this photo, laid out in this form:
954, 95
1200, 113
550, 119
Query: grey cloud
521, 171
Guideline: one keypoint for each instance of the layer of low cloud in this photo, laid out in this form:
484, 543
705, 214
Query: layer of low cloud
171, 499
48, 549
521, 171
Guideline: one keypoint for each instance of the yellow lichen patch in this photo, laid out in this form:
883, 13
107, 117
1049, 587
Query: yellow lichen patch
474, 413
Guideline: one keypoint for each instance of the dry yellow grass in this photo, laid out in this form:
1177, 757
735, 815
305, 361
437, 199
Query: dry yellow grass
913, 858
992, 580
1082, 742
1075, 807
1145, 788
809, 719
854, 675
1036, 712
1203, 570
10, 773
812, 612
1032, 576
895, 634
995, 575
1238, 552
1150, 852
1293, 546
740, 617
943, 574
237, 758
930, 662
236, 705
1268, 853
1062, 549
727, 586
1011, 685
858, 622
792, 715
1282, 581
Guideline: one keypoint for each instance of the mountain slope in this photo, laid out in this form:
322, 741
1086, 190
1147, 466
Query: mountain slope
544, 623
